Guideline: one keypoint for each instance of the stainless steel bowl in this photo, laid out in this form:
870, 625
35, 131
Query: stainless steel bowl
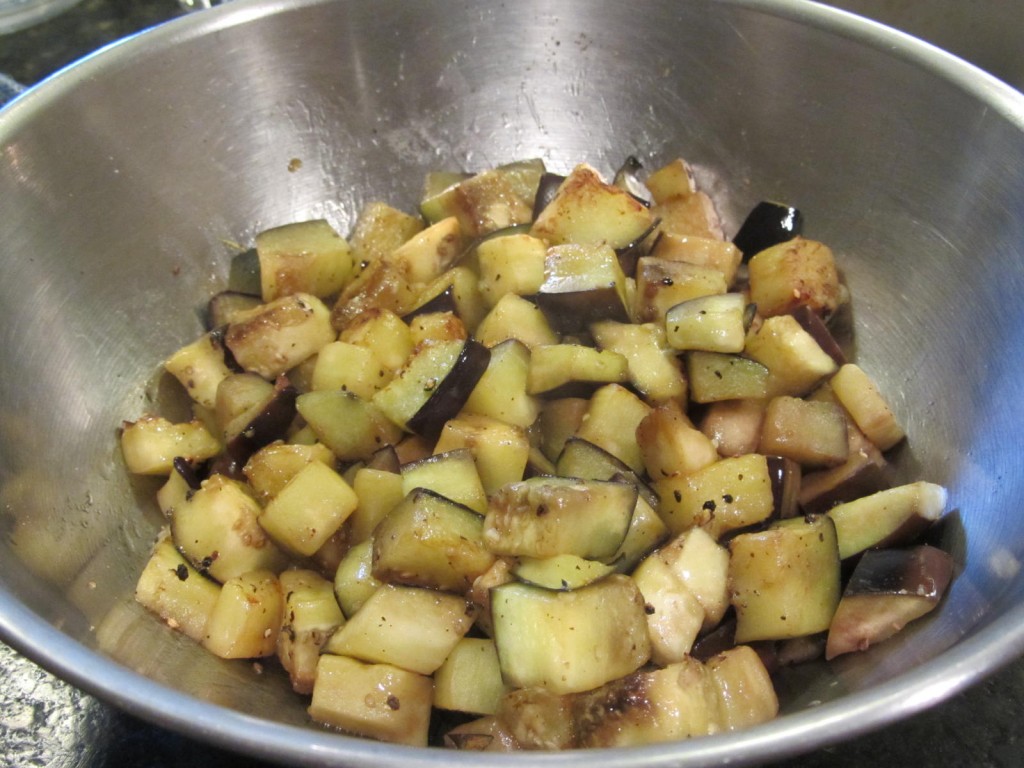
123, 180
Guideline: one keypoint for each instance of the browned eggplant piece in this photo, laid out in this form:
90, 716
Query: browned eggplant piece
888, 589
453, 391
785, 475
268, 424
546, 191
812, 322
768, 224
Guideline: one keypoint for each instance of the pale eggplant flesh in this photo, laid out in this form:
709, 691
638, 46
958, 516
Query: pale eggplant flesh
269, 424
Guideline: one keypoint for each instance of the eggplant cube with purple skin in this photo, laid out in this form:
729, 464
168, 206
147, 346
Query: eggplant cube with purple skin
889, 588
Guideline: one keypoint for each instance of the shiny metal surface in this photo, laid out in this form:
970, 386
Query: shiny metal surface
122, 180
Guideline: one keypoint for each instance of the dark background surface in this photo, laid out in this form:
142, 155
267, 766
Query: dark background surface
45, 722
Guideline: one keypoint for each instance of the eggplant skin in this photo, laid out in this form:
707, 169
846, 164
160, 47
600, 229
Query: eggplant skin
451, 394
888, 589
766, 225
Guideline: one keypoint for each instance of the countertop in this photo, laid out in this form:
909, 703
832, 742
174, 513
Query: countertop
45, 722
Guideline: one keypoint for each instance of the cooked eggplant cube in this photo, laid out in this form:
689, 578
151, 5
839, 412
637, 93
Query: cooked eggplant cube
561, 572
217, 528
303, 257
701, 251
725, 496
768, 223
277, 336
379, 230
434, 385
571, 641
890, 517
709, 323
795, 273
573, 370
490, 200
408, 627
887, 590
150, 444
501, 393
654, 369
380, 701
785, 580
200, 367
351, 427
309, 509
430, 541
861, 398
501, 451
174, 590
670, 444
311, 614
582, 284
864, 472
585, 209
662, 284
549, 516
470, 678
796, 363
451, 474
247, 616
810, 432
716, 376
511, 264
514, 317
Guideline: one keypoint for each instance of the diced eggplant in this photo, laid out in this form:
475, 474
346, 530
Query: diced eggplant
794, 273
811, 432
269, 423
381, 701
888, 589
311, 614
570, 641
303, 257
583, 283
585, 209
279, 335
452, 474
768, 224
171, 587
722, 497
487, 201
430, 541
434, 385
887, 518
246, 619
514, 317
548, 516
218, 530
796, 363
861, 398
309, 510
654, 370
811, 322
470, 678
710, 323
785, 579
573, 370
351, 427
611, 422
484, 734
408, 627
500, 451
